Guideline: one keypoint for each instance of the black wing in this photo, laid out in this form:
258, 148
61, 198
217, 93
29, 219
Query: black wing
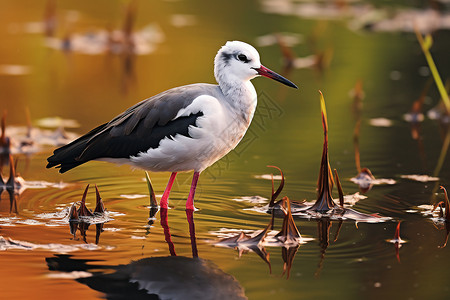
138, 129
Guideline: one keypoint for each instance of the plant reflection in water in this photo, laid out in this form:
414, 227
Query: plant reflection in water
13, 186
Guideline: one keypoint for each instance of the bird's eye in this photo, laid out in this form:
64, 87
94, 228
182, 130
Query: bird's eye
243, 58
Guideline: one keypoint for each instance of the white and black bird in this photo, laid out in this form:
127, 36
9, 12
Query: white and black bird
182, 129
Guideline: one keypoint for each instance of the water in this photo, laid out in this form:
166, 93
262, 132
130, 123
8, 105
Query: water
286, 132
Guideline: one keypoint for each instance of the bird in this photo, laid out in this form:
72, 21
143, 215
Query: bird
186, 128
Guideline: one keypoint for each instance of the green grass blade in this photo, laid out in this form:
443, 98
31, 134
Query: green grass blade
426, 45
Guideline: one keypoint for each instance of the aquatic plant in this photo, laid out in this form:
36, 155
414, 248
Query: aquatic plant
15, 182
324, 200
324, 205
289, 233
364, 177
288, 238
339, 187
425, 44
5, 143
83, 210
82, 217
446, 212
276, 193
397, 241
151, 192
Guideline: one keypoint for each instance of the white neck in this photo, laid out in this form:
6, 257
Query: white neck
241, 95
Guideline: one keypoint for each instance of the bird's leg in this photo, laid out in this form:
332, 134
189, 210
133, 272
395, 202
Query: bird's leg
164, 202
190, 200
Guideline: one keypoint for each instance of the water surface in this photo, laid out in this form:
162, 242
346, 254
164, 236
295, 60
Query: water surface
285, 132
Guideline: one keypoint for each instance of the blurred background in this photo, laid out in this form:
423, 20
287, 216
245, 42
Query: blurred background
77, 64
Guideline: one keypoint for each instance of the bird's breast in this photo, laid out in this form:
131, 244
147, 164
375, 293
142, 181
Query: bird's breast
216, 132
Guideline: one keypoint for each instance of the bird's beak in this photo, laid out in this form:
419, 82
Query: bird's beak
263, 71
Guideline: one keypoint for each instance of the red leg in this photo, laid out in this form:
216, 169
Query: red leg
190, 200
164, 202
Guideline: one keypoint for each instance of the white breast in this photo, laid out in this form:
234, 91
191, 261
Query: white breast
218, 131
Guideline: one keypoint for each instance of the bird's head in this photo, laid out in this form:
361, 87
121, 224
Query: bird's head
238, 62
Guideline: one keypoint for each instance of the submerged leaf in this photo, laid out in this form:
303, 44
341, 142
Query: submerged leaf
288, 255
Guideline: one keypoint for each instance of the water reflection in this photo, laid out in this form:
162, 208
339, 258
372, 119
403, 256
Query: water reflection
13, 186
171, 277
323, 233
288, 238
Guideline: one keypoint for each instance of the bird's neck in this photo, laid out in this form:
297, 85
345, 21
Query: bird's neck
242, 97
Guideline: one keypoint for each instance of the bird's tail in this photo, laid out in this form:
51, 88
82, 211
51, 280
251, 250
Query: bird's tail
68, 157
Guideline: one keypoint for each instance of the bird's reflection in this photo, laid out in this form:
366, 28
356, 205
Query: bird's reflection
171, 277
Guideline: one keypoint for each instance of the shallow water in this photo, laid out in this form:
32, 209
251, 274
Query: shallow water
285, 132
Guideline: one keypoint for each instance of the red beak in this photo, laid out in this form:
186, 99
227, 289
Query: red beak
263, 71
